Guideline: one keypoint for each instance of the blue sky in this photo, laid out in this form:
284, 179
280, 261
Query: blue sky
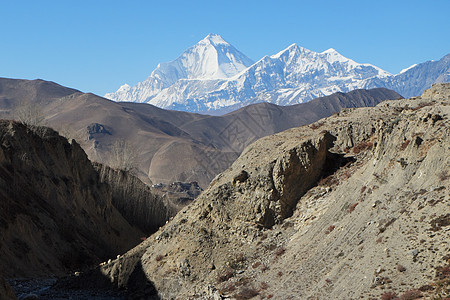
95, 46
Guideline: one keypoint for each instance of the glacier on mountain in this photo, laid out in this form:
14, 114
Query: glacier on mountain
213, 75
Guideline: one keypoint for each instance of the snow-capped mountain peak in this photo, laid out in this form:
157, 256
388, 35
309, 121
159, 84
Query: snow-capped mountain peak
213, 75
214, 39
332, 55
291, 51
210, 58
408, 68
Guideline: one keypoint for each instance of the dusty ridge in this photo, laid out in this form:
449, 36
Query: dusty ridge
353, 206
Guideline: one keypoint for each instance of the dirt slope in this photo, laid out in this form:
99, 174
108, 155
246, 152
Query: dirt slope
354, 206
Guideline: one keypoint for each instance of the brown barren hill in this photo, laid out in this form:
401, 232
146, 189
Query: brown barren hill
164, 146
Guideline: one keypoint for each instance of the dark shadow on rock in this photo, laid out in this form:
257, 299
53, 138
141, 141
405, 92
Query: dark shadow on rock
138, 286
334, 162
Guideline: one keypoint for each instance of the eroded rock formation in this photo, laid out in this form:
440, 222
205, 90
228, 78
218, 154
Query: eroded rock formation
353, 206
55, 213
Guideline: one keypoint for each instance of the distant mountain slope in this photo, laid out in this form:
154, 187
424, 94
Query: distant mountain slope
197, 83
414, 80
172, 145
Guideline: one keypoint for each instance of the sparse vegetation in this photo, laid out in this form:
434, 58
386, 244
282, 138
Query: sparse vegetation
280, 251
246, 293
225, 275
352, 207
439, 222
264, 285
389, 296
123, 155
316, 125
411, 295
364, 145
404, 145
401, 268
29, 113
328, 181
444, 175
422, 105
228, 288
330, 229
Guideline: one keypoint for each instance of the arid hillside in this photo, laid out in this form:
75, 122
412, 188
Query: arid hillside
163, 146
355, 206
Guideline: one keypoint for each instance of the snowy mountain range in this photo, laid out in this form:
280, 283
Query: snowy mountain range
213, 76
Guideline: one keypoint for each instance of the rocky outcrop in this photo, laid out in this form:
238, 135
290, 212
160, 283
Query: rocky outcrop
135, 200
351, 207
55, 213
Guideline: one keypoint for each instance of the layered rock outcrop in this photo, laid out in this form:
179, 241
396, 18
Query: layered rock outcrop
136, 201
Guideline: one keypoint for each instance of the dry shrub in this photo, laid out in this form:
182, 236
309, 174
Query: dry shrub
404, 145
280, 251
364, 145
389, 296
422, 105
159, 257
352, 207
256, 264
443, 176
443, 273
225, 275
330, 229
411, 295
439, 222
228, 288
246, 293
328, 181
401, 268
264, 286
314, 126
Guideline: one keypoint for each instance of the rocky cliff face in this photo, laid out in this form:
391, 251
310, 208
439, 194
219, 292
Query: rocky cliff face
55, 213
136, 201
353, 206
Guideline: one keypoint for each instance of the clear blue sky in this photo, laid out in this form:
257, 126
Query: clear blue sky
95, 46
